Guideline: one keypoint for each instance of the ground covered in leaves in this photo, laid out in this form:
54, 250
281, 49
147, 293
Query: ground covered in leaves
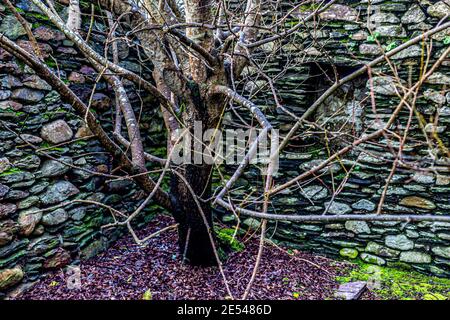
129, 271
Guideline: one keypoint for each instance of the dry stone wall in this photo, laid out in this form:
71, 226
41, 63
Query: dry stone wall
343, 40
47, 157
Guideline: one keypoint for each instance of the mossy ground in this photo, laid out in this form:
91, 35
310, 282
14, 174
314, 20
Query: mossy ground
396, 284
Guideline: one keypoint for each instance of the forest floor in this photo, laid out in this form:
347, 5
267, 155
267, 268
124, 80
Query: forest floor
154, 271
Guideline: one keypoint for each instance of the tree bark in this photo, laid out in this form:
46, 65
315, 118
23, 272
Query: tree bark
194, 241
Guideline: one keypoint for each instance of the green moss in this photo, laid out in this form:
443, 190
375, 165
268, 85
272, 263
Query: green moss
395, 284
50, 63
48, 147
80, 143
38, 16
10, 171
225, 237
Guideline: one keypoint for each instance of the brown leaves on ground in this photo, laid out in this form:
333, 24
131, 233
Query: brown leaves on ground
129, 271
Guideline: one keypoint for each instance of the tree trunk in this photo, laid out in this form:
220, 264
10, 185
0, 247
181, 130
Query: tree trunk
194, 240
194, 236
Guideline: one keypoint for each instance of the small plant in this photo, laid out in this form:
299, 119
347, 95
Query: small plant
53, 284
147, 295
447, 40
373, 37
225, 237
391, 46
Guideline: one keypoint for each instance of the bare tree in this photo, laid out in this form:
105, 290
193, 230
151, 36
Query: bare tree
199, 52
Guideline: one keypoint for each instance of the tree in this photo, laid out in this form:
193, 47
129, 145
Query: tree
198, 51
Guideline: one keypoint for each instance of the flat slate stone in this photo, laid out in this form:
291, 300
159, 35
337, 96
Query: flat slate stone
350, 290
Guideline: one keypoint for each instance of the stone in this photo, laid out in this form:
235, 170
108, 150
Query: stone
7, 209
440, 9
431, 127
364, 204
412, 234
28, 220
434, 96
413, 15
415, 257
17, 177
12, 28
16, 194
44, 33
418, 202
438, 78
4, 164
58, 192
348, 253
87, 70
5, 238
357, 226
100, 101
83, 131
28, 162
56, 132
413, 51
27, 95
46, 49
380, 250
76, 77
54, 168
28, 202
3, 190
5, 94
370, 258
339, 12
10, 277
338, 208
79, 213
437, 271
15, 246
391, 31
16, 106
315, 192
442, 251
252, 223
351, 290
55, 217
370, 49
8, 229
359, 36
35, 82
43, 244
400, 242
29, 138
93, 249
384, 85
383, 17
424, 178
332, 168
57, 260
442, 180
10, 81
67, 50
39, 187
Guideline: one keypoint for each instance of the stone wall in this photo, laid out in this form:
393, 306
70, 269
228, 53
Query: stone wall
345, 42
48, 157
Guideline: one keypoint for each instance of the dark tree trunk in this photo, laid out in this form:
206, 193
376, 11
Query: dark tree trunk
194, 241
194, 236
